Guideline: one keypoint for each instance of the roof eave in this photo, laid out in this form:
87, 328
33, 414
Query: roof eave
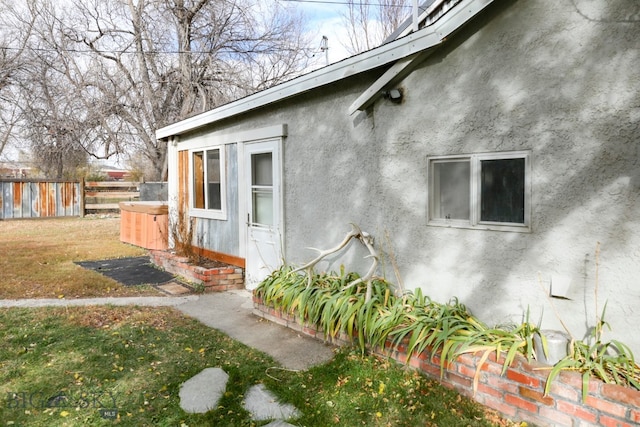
340, 70
413, 43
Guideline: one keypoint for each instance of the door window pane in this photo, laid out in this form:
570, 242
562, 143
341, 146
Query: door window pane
451, 195
262, 188
502, 190
263, 206
262, 169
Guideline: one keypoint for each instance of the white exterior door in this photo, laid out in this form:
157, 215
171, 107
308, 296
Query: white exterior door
264, 210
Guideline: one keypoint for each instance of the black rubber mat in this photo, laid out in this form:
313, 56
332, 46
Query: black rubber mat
129, 271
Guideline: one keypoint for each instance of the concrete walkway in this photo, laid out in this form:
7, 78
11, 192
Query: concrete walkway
232, 313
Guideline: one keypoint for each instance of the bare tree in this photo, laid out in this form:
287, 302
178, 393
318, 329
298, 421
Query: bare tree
369, 23
13, 40
169, 59
45, 101
103, 75
392, 13
53, 115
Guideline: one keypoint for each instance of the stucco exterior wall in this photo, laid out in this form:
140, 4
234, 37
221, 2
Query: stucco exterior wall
561, 79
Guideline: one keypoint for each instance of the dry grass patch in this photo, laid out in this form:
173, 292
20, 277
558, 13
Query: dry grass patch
38, 258
102, 317
109, 317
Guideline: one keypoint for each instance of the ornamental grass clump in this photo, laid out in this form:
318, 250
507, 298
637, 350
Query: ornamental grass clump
413, 319
372, 314
325, 301
612, 362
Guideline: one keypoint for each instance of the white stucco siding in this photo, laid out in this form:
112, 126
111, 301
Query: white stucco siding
535, 76
539, 76
560, 79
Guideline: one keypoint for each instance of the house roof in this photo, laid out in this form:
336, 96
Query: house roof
403, 51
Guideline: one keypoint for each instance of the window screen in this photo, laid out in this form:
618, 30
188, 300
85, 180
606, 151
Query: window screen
485, 190
451, 182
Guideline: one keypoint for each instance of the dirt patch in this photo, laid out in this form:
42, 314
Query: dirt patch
100, 317
209, 263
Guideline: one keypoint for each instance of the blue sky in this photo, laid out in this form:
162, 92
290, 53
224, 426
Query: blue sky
324, 18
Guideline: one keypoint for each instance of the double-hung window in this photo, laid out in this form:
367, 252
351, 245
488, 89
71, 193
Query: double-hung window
208, 183
489, 191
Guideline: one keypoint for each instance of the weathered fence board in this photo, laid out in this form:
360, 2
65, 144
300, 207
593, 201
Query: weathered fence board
27, 199
42, 199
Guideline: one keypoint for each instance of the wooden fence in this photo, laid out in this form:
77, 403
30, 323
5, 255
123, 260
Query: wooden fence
105, 195
26, 199
42, 199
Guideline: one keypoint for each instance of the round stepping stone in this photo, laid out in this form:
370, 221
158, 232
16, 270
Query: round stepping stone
263, 405
202, 392
279, 423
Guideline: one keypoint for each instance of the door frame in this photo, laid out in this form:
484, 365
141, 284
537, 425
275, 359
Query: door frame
245, 149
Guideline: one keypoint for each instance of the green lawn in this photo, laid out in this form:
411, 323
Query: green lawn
124, 366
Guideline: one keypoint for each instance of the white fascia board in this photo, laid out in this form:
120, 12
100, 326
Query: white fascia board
382, 55
351, 66
401, 68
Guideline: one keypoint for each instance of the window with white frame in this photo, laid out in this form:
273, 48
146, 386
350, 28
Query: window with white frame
208, 183
489, 191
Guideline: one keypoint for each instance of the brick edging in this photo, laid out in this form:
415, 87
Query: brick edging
217, 279
517, 395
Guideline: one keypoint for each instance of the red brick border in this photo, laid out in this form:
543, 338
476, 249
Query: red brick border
518, 395
217, 279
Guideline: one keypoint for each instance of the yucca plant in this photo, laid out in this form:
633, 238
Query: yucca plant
448, 329
508, 341
273, 289
439, 327
345, 310
381, 316
612, 362
421, 323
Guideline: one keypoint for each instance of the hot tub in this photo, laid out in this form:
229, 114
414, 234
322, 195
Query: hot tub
144, 224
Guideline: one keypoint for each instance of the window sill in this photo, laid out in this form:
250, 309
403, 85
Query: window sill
208, 214
514, 228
